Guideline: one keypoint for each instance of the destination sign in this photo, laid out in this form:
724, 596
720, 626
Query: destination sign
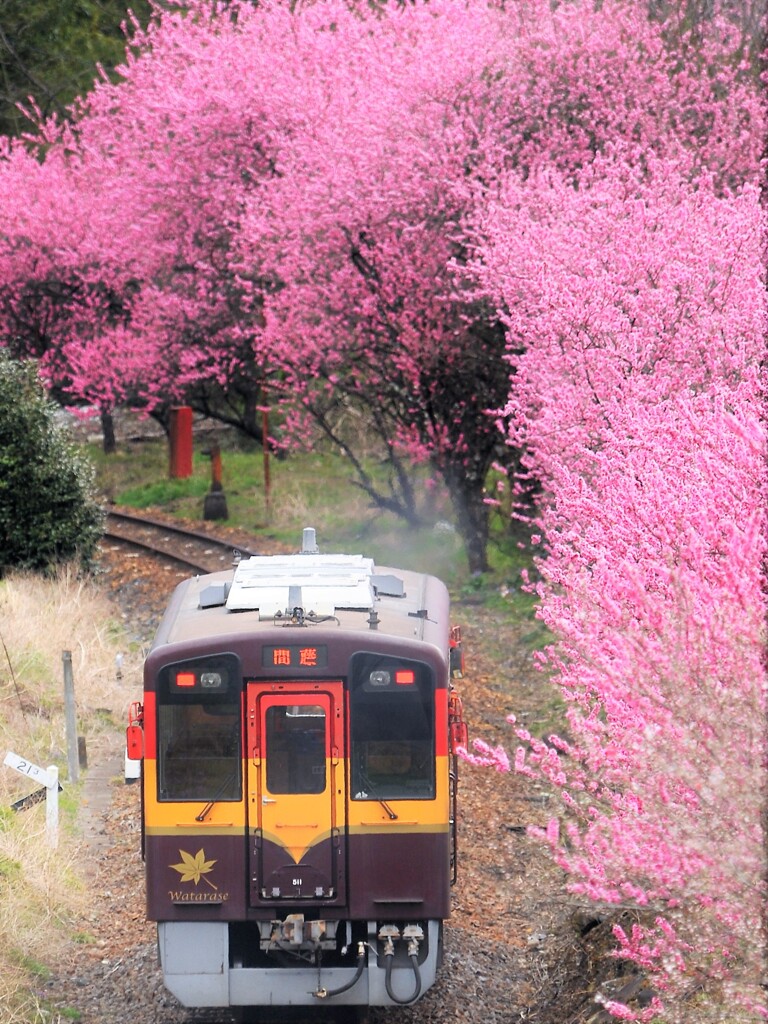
295, 656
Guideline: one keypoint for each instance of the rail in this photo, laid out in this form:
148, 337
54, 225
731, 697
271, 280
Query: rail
193, 550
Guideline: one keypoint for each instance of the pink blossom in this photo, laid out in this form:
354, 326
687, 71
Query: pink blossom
486, 756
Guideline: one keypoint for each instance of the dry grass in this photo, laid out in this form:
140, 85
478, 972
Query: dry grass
40, 888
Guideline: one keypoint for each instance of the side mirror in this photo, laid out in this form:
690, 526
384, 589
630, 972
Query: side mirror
459, 736
134, 742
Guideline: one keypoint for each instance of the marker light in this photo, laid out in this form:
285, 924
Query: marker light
405, 677
211, 680
185, 679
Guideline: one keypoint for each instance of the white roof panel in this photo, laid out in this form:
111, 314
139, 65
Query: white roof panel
327, 582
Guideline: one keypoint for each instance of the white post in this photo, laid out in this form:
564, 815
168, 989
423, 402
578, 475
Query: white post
52, 806
70, 717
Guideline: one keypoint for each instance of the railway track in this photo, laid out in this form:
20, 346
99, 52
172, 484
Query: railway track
191, 550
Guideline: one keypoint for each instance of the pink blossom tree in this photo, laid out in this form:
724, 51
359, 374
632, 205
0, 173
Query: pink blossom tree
150, 175
55, 291
639, 399
368, 226
282, 198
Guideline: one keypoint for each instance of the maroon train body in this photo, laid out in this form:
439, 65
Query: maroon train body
298, 735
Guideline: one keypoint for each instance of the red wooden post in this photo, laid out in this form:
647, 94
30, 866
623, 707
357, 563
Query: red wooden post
181, 442
216, 478
265, 452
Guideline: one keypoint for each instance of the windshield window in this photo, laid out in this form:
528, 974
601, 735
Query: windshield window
392, 729
198, 734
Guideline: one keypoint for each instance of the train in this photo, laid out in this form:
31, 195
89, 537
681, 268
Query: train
298, 740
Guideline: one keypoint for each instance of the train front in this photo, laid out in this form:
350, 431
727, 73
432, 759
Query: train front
299, 833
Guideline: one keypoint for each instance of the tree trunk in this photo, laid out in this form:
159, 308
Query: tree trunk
252, 422
472, 518
109, 441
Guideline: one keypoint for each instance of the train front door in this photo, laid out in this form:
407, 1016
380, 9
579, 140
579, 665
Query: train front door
295, 792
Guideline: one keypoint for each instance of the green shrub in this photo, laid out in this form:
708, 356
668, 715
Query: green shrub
48, 512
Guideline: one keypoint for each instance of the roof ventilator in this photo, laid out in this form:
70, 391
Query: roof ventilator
309, 542
214, 595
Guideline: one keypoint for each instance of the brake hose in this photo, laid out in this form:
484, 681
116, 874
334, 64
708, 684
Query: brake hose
413, 956
323, 993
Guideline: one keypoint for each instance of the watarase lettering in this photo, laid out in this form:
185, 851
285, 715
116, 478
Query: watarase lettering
177, 896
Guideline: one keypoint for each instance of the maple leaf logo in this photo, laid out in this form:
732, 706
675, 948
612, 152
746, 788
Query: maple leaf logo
192, 869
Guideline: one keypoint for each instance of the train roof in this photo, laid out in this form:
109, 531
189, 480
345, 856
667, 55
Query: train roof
310, 590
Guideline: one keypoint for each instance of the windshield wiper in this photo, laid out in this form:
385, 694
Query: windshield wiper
367, 782
224, 786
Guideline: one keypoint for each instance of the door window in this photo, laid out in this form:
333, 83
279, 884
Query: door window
295, 748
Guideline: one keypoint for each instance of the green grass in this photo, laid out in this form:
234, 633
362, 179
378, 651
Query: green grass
31, 966
69, 1013
163, 492
315, 489
9, 869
